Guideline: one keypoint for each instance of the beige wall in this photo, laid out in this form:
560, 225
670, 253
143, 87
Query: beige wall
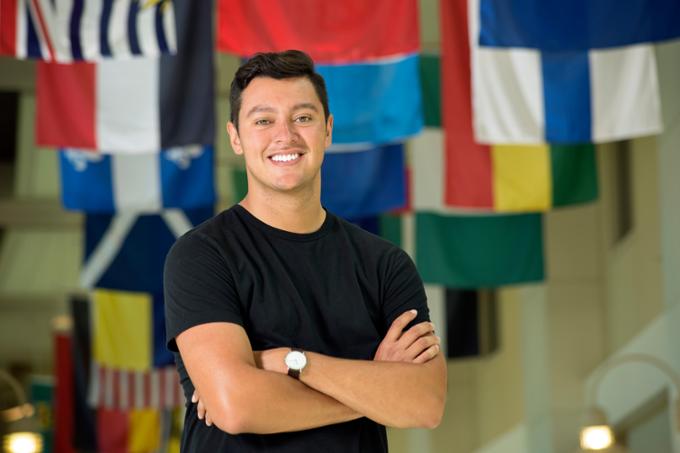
631, 266
489, 388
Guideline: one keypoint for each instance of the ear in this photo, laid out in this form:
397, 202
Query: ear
234, 139
329, 130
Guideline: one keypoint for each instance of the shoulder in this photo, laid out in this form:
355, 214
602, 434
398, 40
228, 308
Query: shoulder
373, 248
365, 239
209, 237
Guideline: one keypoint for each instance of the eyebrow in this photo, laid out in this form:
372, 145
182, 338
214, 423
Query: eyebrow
305, 105
265, 108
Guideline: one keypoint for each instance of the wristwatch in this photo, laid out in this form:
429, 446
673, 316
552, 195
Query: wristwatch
296, 361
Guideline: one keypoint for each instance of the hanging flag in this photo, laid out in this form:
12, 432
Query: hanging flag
374, 102
41, 395
122, 329
474, 251
127, 250
555, 25
74, 30
179, 177
430, 83
84, 417
363, 182
465, 251
120, 389
500, 178
471, 323
529, 95
129, 330
330, 32
466, 320
134, 431
137, 105
174, 430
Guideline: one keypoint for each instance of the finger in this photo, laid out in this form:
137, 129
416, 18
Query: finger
429, 354
415, 332
399, 324
200, 410
194, 397
421, 345
208, 420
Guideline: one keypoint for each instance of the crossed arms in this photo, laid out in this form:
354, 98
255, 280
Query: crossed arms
244, 391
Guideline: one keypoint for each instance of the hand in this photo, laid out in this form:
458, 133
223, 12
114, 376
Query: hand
417, 345
200, 408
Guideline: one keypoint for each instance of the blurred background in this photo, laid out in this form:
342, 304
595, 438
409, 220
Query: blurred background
523, 152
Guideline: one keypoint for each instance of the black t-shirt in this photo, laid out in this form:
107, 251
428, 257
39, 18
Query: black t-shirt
335, 291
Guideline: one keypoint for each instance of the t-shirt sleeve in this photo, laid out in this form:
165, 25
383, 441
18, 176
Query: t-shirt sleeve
198, 287
403, 289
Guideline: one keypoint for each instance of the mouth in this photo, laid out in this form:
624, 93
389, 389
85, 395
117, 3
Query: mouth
285, 158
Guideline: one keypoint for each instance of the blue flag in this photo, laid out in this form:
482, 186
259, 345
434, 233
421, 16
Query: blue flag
127, 251
179, 177
576, 25
571, 81
375, 102
365, 182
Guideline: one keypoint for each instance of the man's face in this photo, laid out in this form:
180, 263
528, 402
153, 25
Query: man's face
282, 134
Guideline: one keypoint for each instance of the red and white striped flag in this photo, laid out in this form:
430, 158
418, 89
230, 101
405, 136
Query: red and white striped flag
118, 389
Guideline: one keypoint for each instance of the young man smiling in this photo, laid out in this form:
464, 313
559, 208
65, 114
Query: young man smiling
294, 330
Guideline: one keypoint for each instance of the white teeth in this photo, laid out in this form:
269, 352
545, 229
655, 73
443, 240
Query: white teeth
285, 157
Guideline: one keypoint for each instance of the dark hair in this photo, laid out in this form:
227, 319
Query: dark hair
277, 65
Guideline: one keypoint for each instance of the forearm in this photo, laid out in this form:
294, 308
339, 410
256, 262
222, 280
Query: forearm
391, 393
239, 396
267, 402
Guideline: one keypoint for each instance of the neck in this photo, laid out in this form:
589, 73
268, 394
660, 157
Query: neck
296, 213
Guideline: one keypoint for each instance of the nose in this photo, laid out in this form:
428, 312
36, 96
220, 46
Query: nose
286, 132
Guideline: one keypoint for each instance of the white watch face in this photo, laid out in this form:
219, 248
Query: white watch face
296, 360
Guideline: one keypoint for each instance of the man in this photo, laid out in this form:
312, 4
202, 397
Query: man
299, 331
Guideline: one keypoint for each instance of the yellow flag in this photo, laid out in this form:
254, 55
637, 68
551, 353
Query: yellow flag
521, 178
122, 329
144, 433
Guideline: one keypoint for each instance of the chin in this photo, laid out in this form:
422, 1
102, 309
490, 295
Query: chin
293, 183
287, 186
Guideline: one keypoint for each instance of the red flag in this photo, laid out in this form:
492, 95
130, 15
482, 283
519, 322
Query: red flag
63, 397
468, 177
112, 430
8, 26
331, 32
66, 114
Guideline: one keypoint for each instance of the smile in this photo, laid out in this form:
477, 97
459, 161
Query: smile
285, 157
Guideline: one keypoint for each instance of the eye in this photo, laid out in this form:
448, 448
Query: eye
303, 118
262, 122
